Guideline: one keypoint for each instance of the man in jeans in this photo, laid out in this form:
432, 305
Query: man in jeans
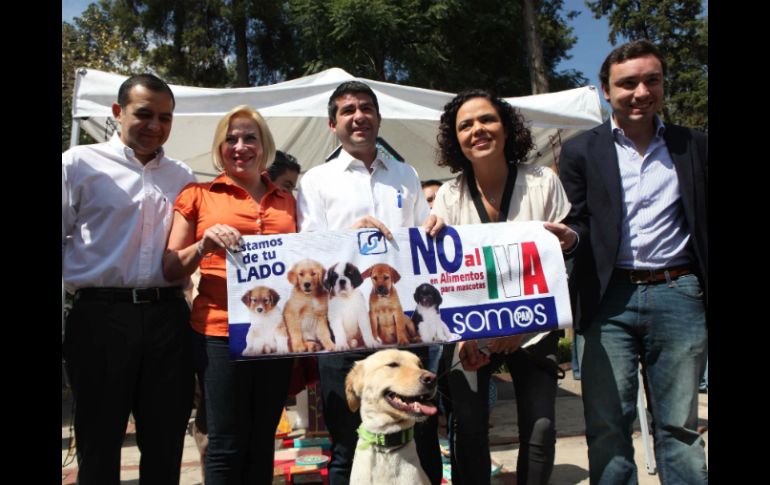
638, 193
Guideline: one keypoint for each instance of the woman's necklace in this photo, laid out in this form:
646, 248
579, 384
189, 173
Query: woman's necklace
505, 195
490, 198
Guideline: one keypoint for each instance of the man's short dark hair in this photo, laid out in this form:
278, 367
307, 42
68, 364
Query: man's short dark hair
149, 81
431, 182
350, 87
283, 163
629, 50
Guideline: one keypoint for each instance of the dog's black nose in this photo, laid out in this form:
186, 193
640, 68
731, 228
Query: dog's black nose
306, 285
260, 310
342, 284
429, 379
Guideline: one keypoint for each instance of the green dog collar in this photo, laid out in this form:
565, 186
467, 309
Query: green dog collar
387, 440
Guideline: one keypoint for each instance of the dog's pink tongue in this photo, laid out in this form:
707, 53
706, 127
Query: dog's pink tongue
426, 408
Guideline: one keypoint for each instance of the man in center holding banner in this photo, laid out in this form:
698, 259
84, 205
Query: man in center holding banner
306, 293
362, 185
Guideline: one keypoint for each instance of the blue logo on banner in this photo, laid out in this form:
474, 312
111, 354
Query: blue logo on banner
501, 319
372, 242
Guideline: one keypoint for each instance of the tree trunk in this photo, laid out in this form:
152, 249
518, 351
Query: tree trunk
241, 48
537, 75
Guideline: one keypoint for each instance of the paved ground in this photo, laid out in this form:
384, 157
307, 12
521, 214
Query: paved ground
571, 462
571, 465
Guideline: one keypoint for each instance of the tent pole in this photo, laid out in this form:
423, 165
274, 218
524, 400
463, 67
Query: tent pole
75, 132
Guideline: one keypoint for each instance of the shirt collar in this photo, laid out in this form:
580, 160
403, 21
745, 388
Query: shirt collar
128, 152
225, 181
660, 127
344, 160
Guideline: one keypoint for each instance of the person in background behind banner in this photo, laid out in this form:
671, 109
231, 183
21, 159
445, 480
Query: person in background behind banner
126, 342
362, 185
429, 189
284, 171
244, 400
486, 139
639, 193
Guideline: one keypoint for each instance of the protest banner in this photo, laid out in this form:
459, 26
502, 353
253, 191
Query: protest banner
322, 292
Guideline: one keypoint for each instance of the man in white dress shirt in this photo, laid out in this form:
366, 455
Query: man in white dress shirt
361, 185
126, 338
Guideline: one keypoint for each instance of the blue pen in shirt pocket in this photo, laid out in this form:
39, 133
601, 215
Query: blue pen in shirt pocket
398, 198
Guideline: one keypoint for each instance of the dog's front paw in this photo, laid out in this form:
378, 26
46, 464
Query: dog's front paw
330, 346
299, 347
341, 346
312, 347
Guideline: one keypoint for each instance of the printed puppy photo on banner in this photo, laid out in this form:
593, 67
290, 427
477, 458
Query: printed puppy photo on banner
336, 291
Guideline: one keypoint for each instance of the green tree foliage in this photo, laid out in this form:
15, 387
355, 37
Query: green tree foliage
211, 43
362, 37
437, 44
185, 41
681, 33
94, 41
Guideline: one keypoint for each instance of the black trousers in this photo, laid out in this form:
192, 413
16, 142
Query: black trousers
343, 423
535, 389
124, 358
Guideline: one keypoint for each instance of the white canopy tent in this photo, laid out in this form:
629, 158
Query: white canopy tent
296, 113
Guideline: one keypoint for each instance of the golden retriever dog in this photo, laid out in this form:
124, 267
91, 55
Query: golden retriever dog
306, 311
267, 332
385, 313
393, 392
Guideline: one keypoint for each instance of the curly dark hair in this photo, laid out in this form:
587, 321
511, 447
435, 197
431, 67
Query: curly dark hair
518, 142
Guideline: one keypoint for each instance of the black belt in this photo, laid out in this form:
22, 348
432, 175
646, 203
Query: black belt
129, 295
646, 276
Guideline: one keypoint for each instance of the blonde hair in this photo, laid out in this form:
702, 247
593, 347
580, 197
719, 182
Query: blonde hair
220, 134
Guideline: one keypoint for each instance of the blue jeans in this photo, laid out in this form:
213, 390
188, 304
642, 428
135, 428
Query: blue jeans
434, 356
577, 355
244, 401
663, 326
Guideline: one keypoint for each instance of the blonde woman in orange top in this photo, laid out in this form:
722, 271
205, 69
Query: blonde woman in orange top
244, 400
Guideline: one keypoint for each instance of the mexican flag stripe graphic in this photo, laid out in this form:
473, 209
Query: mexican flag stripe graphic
489, 260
